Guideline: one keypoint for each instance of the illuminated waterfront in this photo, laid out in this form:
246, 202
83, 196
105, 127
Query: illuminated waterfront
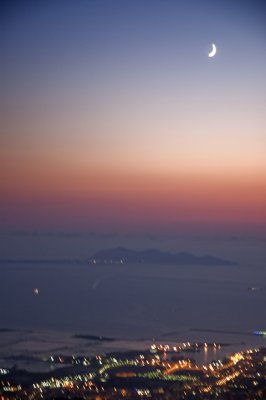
92, 331
133, 193
161, 371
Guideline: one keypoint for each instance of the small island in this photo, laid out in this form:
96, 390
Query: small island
123, 255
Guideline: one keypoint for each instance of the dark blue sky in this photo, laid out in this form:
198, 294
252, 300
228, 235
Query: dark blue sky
115, 117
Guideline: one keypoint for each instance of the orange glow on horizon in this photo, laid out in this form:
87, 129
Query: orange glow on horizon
80, 197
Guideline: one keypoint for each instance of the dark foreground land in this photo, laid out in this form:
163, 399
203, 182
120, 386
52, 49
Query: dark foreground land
160, 372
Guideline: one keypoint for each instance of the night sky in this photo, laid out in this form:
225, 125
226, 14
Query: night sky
114, 118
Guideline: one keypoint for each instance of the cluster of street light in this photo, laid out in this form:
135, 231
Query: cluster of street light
150, 365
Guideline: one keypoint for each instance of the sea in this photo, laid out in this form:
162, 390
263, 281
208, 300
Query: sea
50, 293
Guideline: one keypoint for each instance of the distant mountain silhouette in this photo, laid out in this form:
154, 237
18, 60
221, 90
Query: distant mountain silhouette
121, 255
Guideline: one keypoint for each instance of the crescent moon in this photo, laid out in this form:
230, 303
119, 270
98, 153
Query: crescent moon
213, 52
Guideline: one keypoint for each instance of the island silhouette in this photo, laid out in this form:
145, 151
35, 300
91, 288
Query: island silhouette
121, 255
